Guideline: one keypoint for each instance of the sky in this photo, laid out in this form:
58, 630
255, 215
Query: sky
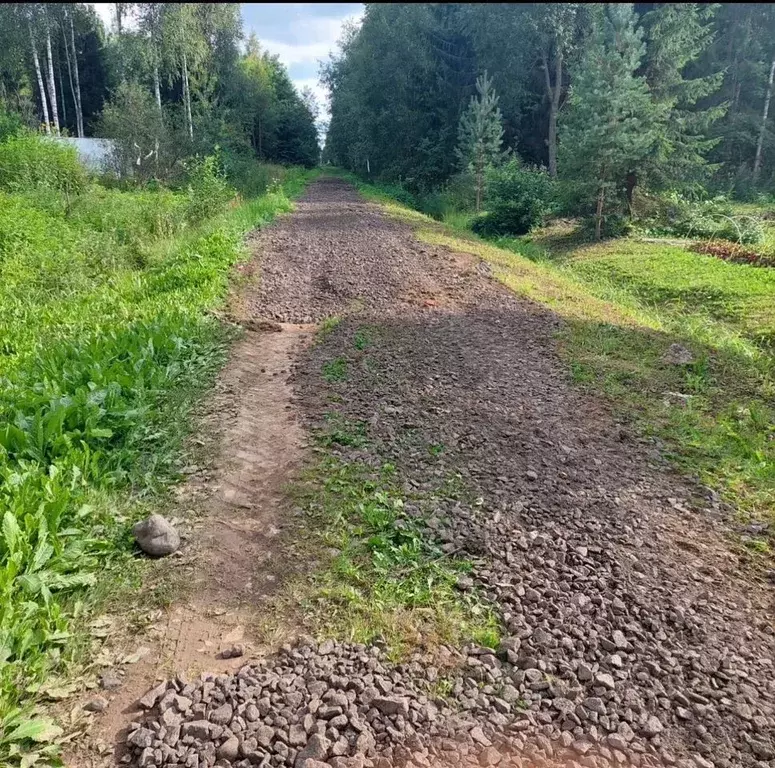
302, 34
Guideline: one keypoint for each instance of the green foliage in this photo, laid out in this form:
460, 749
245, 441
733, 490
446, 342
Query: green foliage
480, 134
518, 200
609, 127
208, 191
673, 214
389, 579
29, 162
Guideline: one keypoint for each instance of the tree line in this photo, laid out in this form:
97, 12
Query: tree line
607, 98
169, 80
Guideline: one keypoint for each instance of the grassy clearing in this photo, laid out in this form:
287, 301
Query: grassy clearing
383, 578
626, 301
104, 347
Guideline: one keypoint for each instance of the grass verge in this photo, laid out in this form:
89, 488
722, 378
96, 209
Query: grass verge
625, 302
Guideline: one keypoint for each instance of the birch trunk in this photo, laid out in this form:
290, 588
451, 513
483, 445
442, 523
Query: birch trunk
39, 75
78, 105
187, 98
52, 89
69, 62
757, 163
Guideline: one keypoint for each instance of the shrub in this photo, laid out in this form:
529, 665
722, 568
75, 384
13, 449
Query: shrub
673, 214
150, 144
29, 162
208, 191
518, 200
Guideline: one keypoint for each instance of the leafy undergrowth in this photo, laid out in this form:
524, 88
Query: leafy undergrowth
625, 302
385, 578
104, 347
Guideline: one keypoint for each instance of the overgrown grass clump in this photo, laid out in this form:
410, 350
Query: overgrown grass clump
104, 344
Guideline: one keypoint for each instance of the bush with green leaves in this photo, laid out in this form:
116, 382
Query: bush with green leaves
518, 199
29, 162
207, 190
673, 214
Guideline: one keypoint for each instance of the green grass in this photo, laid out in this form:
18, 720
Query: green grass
385, 579
105, 344
625, 302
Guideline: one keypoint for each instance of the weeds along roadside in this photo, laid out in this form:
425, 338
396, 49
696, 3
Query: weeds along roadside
624, 302
105, 344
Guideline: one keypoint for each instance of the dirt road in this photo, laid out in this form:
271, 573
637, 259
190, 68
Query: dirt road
630, 637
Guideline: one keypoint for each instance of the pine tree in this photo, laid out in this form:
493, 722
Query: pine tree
677, 35
610, 126
480, 134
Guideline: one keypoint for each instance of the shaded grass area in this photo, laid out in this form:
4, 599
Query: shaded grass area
105, 345
625, 302
384, 577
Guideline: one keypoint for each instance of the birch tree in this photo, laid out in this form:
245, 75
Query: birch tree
36, 64
52, 90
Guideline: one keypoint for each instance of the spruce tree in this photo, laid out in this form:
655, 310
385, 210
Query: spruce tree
480, 134
677, 35
610, 125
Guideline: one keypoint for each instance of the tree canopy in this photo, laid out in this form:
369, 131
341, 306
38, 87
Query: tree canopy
695, 78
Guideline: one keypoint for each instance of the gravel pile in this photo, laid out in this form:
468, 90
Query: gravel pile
331, 702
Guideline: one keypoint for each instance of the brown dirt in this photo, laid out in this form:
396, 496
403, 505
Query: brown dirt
581, 530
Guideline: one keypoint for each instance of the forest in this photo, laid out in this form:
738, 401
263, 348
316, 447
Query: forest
170, 81
646, 113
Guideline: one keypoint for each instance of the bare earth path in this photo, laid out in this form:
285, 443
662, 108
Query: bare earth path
631, 637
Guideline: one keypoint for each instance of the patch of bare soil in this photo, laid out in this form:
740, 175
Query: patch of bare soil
631, 636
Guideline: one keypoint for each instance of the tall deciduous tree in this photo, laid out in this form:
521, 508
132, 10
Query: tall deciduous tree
610, 126
480, 134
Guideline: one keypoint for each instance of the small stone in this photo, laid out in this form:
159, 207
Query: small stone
148, 701
233, 651
489, 756
141, 738
156, 536
391, 706
477, 734
653, 726
316, 749
109, 681
677, 354
222, 715
97, 704
605, 680
229, 750
265, 734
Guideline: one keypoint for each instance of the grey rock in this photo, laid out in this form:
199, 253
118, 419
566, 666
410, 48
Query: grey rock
156, 536
148, 701
316, 749
96, 704
229, 750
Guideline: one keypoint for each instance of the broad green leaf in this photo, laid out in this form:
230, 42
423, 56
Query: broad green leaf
35, 730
